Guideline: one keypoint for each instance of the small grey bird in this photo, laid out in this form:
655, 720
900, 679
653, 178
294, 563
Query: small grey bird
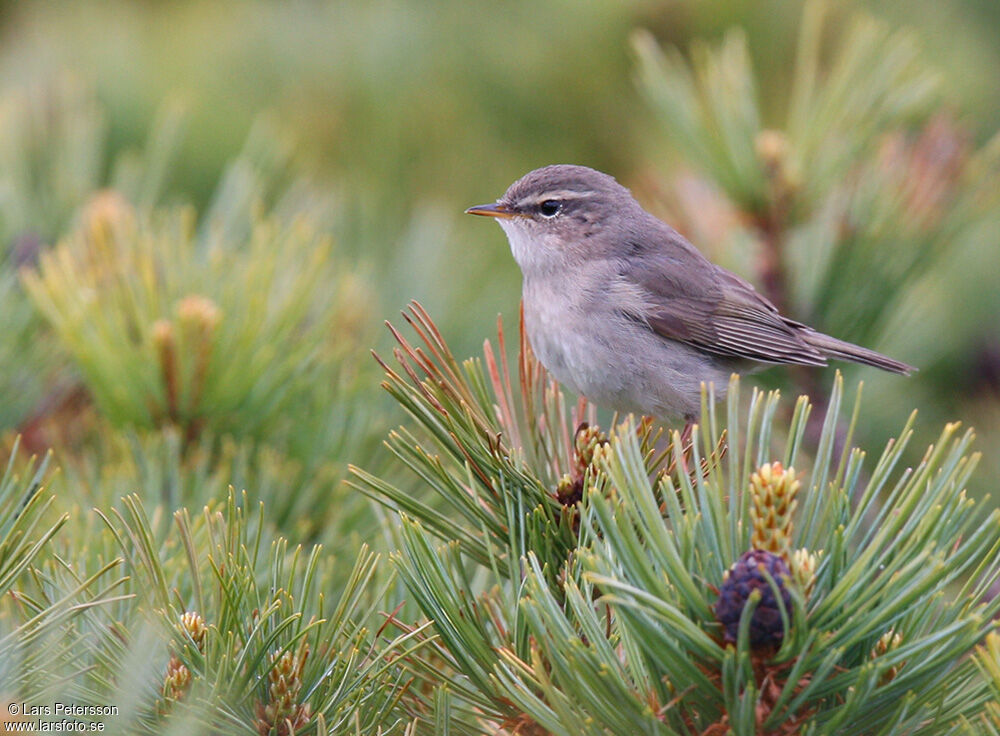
620, 308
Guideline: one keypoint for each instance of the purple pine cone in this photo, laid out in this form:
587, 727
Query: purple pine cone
745, 576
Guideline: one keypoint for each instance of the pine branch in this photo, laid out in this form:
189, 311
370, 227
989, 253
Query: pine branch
746, 597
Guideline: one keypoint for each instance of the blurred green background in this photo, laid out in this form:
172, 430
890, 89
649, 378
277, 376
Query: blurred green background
403, 113
209, 208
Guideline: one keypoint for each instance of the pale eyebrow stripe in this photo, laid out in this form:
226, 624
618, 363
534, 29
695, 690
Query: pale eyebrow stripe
560, 194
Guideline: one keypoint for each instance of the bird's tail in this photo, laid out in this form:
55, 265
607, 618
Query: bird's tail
831, 347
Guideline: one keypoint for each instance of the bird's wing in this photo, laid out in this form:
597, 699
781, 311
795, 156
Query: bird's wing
687, 298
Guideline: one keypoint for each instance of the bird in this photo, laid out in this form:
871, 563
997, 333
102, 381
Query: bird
620, 308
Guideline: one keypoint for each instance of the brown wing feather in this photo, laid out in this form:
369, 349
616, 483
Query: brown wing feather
693, 301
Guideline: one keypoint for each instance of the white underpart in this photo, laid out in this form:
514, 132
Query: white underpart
533, 253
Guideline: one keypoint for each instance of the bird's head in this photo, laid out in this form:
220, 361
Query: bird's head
555, 216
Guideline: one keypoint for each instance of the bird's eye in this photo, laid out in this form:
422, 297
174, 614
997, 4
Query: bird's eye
550, 208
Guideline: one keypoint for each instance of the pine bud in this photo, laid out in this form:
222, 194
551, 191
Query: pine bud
107, 215
569, 491
772, 493
771, 147
589, 444
165, 343
199, 317
283, 714
586, 445
194, 625
803, 565
887, 642
163, 334
176, 681
199, 312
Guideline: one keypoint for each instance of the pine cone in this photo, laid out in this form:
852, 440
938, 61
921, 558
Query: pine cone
745, 576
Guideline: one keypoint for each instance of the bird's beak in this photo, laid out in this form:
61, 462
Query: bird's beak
490, 210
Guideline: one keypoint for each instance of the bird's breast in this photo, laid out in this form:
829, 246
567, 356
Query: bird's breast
590, 339
576, 327
551, 319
